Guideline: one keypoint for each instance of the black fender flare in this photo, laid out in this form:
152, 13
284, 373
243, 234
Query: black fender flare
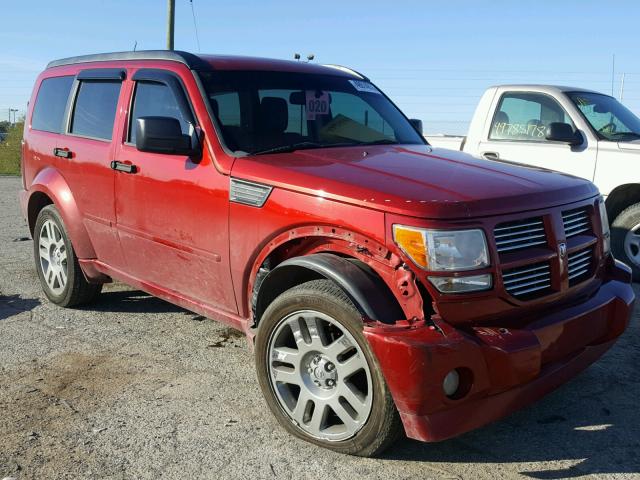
368, 292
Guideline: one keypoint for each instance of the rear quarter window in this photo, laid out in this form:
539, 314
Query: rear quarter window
95, 109
51, 102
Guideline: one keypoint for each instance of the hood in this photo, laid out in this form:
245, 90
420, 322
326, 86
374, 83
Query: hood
415, 180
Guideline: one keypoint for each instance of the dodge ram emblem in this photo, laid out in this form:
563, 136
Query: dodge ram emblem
563, 250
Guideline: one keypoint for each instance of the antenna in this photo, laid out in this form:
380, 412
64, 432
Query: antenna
296, 56
135, 45
310, 57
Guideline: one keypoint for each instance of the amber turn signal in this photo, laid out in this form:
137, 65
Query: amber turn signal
412, 242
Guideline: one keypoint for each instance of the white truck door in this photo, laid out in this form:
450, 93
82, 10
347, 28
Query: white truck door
516, 132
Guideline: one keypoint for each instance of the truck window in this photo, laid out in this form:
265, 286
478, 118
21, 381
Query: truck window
523, 116
154, 99
95, 109
608, 117
48, 111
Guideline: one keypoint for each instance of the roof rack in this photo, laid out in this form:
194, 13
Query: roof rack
189, 59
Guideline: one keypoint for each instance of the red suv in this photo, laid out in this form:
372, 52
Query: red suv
385, 285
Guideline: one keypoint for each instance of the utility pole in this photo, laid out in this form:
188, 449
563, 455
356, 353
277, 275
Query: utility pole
622, 87
171, 20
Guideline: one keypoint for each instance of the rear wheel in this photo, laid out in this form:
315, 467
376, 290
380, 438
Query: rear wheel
318, 374
60, 275
625, 238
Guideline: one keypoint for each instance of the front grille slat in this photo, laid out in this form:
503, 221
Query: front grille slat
576, 222
519, 234
504, 235
526, 277
518, 225
578, 273
517, 293
579, 265
527, 281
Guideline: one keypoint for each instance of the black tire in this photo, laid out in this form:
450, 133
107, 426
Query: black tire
383, 424
626, 221
77, 291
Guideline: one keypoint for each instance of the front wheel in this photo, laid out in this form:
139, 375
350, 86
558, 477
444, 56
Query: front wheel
318, 374
60, 275
625, 238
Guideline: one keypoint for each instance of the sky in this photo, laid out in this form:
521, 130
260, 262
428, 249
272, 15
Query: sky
434, 59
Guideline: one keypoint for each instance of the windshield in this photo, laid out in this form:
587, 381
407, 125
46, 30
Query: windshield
267, 112
608, 117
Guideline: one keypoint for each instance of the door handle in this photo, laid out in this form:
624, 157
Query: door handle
62, 152
491, 155
123, 167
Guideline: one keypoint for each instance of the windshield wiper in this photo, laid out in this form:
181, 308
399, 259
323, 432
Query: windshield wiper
302, 146
383, 141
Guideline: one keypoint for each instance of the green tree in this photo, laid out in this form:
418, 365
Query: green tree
10, 151
4, 126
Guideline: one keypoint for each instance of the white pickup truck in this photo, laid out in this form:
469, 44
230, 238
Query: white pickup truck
572, 130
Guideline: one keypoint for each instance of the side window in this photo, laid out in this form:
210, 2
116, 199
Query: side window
525, 117
95, 109
51, 101
153, 99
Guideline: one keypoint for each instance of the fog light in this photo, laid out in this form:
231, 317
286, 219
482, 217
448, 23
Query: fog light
471, 283
451, 383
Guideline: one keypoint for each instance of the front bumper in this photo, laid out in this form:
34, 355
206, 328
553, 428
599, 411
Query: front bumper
502, 369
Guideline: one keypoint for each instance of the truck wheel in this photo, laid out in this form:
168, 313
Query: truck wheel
625, 238
56, 263
318, 374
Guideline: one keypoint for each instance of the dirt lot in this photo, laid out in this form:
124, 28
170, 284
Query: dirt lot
134, 387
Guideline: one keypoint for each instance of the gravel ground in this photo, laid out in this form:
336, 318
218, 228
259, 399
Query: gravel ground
133, 387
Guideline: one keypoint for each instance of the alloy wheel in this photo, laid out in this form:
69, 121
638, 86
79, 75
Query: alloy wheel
53, 257
320, 375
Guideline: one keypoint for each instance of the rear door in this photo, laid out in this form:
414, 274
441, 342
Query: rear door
172, 210
517, 133
86, 149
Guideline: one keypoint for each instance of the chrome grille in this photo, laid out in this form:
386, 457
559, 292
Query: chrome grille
528, 280
579, 265
575, 222
520, 234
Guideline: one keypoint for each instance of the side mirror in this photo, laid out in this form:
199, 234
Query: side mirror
417, 124
563, 132
163, 135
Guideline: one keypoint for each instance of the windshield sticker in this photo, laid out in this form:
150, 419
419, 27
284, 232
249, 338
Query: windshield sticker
361, 86
317, 103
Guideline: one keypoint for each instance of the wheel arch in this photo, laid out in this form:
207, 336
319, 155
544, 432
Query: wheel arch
365, 289
621, 197
50, 187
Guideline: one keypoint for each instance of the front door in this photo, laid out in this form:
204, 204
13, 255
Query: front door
172, 210
517, 134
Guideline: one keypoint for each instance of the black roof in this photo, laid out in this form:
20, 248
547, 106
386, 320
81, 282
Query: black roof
192, 61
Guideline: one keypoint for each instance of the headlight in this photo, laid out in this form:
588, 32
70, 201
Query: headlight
604, 220
443, 250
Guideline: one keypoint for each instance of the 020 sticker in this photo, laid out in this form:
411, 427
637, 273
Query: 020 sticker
317, 103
